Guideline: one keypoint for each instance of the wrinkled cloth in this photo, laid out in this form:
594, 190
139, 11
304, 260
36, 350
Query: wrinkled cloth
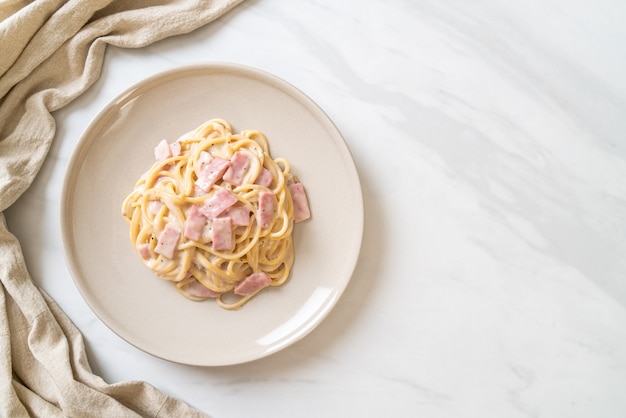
51, 51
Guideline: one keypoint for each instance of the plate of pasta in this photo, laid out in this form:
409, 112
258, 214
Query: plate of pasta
211, 214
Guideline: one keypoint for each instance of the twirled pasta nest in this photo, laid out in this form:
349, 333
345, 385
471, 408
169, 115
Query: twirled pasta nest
214, 214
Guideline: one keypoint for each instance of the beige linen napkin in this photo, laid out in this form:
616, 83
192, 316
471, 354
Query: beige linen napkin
50, 52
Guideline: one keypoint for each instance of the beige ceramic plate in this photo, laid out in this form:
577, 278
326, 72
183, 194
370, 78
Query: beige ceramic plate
116, 149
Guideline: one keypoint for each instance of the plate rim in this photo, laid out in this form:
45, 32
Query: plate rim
85, 142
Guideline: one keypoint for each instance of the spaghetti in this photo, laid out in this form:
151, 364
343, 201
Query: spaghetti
214, 214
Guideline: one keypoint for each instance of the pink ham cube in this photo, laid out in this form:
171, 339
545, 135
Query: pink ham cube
222, 234
300, 202
239, 166
252, 284
168, 241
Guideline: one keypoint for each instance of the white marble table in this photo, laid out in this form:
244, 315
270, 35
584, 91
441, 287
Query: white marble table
490, 138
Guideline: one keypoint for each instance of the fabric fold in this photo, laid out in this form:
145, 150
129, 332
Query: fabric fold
52, 51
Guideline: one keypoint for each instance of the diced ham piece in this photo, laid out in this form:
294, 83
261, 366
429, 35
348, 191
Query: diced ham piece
239, 214
175, 149
211, 173
194, 225
198, 290
218, 203
222, 234
301, 210
162, 151
266, 209
264, 178
239, 166
144, 251
252, 284
155, 206
168, 241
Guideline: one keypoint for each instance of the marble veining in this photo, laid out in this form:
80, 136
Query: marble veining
490, 139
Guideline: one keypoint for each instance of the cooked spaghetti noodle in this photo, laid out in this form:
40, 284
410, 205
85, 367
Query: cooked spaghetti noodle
214, 214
